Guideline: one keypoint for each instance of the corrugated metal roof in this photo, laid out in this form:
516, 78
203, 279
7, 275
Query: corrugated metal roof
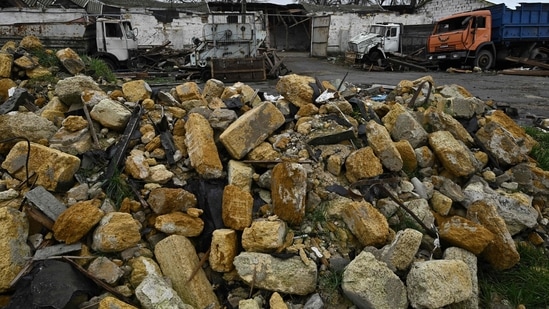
31, 3
152, 4
81, 3
94, 7
46, 3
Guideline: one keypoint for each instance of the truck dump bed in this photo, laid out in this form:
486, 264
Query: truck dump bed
54, 35
529, 21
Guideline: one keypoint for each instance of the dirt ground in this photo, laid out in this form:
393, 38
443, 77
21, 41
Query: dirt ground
528, 94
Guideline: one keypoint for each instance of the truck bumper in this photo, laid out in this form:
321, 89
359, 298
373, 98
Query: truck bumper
447, 56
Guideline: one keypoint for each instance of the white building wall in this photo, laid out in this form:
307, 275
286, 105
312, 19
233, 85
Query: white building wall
179, 32
10, 16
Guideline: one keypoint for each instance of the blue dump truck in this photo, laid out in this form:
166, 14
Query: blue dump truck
488, 37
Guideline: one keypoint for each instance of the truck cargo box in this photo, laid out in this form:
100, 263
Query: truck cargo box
529, 21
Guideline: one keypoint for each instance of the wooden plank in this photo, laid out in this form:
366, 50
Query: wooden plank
56, 250
46, 202
407, 64
528, 62
525, 72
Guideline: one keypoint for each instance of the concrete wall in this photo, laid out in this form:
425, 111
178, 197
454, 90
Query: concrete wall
179, 32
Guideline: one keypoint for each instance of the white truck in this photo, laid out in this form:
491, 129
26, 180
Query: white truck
111, 39
385, 39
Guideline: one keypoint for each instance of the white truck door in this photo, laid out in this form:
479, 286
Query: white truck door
112, 39
391, 40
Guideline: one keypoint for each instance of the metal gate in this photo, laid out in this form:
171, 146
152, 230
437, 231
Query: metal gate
319, 39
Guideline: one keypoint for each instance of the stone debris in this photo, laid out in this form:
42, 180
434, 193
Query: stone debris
220, 198
369, 283
438, 283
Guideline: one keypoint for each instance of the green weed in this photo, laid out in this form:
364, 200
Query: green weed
98, 68
540, 152
117, 188
330, 280
523, 284
46, 58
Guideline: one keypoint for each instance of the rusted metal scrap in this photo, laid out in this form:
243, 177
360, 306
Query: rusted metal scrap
408, 64
20, 97
361, 190
542, 67
418, 91
119, 149
334, 137
528, 61
166, 139
51, 284
99, 282
55, 251
274, 65
46, 202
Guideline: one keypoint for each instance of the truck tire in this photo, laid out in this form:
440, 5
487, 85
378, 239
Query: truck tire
137, 63
205, 74
377, 58
484, 60
538, 55
110, 64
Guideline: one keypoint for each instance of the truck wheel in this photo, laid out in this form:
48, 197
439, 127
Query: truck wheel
484, 60
538, 55
137, 63
205, 74
110, 64
376, 57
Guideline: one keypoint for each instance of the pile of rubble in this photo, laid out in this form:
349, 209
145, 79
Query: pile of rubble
221, 196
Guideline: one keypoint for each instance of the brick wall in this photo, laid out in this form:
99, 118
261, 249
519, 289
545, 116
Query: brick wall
437, 9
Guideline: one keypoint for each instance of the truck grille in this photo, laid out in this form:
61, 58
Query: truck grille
445, 48
353, 47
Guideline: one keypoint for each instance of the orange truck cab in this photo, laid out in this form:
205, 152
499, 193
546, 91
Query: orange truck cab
483, 38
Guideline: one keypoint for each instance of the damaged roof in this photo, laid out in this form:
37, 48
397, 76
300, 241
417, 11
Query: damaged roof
111, 3
102, 6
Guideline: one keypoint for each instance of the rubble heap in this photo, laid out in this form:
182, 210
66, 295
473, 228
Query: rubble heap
220, 197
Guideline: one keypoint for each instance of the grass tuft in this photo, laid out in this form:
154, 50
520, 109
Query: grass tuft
523, 284
98, 68
540, 152
46, 58
117, 189
329, 284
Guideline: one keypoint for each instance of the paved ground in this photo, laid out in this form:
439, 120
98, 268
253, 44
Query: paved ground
529, 94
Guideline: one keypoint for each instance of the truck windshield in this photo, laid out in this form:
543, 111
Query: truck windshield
128, 30
454, 24
377, 30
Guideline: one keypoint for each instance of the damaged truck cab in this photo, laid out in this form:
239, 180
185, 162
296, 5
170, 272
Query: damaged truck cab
109, 38
112, 40
376, 43
483, 38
